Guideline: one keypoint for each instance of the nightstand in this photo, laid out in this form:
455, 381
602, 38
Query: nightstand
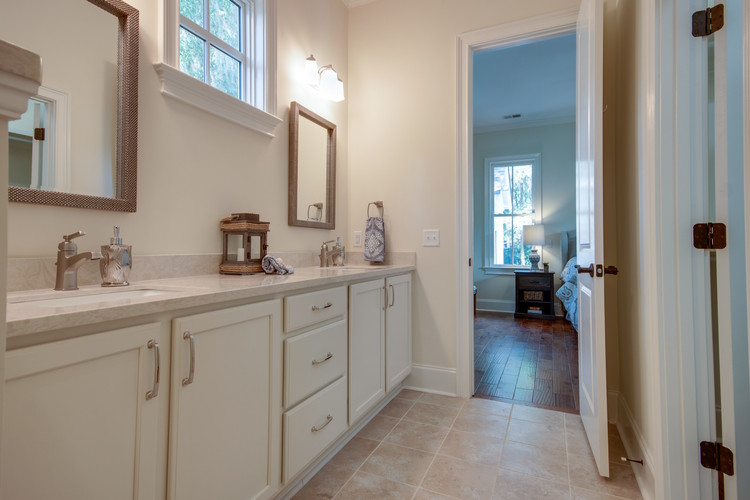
535, 294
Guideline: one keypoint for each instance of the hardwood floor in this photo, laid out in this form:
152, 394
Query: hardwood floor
526, 361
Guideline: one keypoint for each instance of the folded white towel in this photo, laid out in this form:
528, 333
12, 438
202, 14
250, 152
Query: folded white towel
375, 239
272, 264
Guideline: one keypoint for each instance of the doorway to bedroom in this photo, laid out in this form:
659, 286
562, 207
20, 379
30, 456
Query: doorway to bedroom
525, 341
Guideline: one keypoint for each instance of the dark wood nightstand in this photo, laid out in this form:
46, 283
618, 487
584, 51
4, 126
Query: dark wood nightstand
535, 294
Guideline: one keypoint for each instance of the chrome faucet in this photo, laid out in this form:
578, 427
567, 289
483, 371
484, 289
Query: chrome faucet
69, 260
332, 256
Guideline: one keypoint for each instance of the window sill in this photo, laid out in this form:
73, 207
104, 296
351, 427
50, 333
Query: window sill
503, 271
185, 88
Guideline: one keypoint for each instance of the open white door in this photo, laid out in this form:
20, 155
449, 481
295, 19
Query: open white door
590, 227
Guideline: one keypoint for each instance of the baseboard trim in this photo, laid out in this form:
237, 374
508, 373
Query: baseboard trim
496, 305
636, 447
433, 379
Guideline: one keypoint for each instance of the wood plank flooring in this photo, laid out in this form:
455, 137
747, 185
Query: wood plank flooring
527, 361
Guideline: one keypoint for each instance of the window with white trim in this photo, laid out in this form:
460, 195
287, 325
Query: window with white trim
220, 56
512, 187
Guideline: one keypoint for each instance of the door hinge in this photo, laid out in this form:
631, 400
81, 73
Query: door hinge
710, 236
38, 134
708, 21
469, 262
716, 457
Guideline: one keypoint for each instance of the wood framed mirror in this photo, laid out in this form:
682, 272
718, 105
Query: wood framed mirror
312, 169
98, 66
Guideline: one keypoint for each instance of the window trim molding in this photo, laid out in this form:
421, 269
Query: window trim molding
536, 193
185, 88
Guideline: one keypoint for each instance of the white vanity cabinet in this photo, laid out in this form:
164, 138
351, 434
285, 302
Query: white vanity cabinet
315, 382
224, 433
379, 340
81, 418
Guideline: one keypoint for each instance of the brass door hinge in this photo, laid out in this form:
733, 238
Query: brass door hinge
710, 236
717, 457
38, 134
708, 21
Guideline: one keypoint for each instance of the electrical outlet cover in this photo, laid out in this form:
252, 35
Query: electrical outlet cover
357, 238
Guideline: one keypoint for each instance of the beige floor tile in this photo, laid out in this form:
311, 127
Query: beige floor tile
439, 399
460, 479
539, 415
621, 481
479, 405
404, 465
423, 494
583, 494
472, 447
535, 461
511, 485
575, 435
536, 434
397, 408
363, 486
418, 436
573, 422
325, 484
378, 427
481, 423
354, 453
409, 394
442, 416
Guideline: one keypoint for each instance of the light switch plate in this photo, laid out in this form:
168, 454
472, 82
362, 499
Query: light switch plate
431, 238
357, 238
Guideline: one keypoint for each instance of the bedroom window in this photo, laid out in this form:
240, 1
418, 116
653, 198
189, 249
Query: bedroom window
513, 200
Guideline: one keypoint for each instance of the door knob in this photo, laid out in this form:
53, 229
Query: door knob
611, 270
589, 270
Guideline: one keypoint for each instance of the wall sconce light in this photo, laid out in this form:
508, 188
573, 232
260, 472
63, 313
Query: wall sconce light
325, 79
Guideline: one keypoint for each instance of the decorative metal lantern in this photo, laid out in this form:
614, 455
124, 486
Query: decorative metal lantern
245, 244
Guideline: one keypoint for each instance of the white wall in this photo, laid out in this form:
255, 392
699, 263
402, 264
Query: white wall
556, 143
195, 168
402, 117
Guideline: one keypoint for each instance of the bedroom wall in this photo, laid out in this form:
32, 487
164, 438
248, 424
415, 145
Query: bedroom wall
556, 143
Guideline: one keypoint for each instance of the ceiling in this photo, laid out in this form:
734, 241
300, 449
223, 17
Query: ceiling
536, 80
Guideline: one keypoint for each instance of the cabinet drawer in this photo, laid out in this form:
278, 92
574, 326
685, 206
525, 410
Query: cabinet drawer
313, 360
312, 426
307, 309
534, 282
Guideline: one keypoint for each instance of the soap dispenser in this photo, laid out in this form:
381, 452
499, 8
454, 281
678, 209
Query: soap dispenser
116, 261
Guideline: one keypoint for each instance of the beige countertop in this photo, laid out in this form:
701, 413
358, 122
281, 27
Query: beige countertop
26, 315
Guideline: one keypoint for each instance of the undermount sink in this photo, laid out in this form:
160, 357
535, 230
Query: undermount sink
92, 298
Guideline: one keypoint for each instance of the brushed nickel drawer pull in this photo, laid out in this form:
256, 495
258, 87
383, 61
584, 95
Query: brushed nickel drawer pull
321, 361
393, 295
320, 308
191, 375
152, 344
329, 419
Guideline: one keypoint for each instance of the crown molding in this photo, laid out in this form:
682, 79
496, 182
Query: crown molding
356, 3
513, 124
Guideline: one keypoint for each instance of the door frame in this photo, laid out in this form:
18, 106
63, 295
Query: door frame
507, 35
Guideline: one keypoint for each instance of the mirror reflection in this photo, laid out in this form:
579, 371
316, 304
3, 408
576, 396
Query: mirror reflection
76, 145
312, 169
80, 72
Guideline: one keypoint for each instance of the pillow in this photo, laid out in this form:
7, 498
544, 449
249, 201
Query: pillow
569, 273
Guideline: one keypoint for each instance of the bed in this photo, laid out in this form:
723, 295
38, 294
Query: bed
568, 292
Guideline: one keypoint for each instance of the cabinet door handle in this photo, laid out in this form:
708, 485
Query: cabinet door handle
393, 296
321, 361
320, 308
152, 344
191, 374
329, 419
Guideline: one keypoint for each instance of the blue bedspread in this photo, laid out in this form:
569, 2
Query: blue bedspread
568, 292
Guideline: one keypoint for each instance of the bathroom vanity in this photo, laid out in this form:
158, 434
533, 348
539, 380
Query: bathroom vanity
191, 388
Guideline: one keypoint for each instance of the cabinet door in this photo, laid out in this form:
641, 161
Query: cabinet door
225, 438
366, 347
77, 421
397, 330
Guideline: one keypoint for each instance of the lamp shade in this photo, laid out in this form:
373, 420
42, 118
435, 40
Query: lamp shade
311, 71
533, 235
329, 82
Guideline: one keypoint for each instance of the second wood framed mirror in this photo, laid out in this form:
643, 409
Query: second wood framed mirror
312, 169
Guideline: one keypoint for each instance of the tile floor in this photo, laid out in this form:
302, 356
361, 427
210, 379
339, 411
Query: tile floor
429, 447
